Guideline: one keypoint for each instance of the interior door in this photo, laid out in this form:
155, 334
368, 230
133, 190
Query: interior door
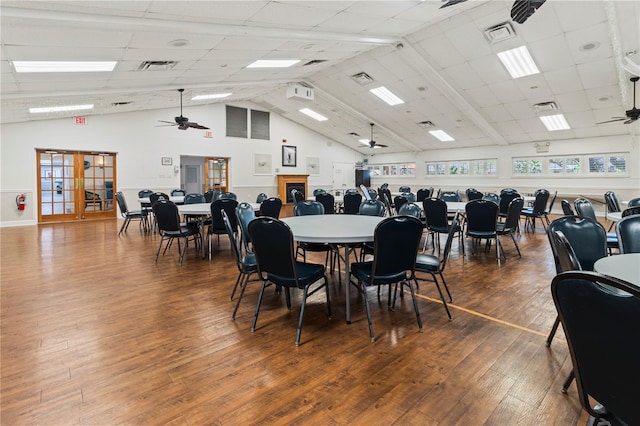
343, 176
192, 183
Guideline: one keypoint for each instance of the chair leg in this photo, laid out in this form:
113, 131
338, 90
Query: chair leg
415, 302
552, 333
183, 249
123, 226
304, 303
444, 302
567, 382
446, 287
363, 287
235, 287
515, 243
159, 247
255, 316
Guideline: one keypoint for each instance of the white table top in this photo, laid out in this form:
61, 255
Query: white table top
614, 216
204, 208
336, 199
623, 266
172, 198
333, 228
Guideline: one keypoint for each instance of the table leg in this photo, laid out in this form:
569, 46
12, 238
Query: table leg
202, 235
347, 272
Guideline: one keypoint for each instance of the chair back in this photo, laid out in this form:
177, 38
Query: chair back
297, 196
178, 192
167, 217
387, 202
352, 203
597, 311
273, 246
212, 195
373, 194
587, 238
227, 205
503, 190
144, 193
584, 208
482, 216
422, 194
513, 214
473, 194
540, 203
351, 191
552, 202
451, 196
232, 239
371, 208
410, 196
261, 197
505, 199
491, 197
409, 209
122, 204
435, 212
194, 199
404, 188
244, 214
628, 231
271, 207
395, 244
158, 196
563, 255
319, 191
566, 208
328, 202
227, 196
634, 202
455, 222
307, 208
399, 201
631, 211
611, 199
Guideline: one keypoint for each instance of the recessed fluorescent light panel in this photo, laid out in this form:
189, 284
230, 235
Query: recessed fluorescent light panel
64, 66
518, 62
211, 96
386, 95
60, 108
311, 113
555, 122
441, 135
273, 63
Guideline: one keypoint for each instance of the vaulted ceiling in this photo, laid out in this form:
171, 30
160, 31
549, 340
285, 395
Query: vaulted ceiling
438, 60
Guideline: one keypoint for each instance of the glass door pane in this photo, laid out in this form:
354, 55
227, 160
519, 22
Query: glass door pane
57, 186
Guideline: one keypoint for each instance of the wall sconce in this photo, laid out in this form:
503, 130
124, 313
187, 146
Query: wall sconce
542, 147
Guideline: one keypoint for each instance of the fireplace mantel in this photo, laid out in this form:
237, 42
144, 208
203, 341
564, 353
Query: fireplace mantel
283, 180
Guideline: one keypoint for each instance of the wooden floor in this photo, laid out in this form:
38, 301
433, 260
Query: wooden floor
95, 333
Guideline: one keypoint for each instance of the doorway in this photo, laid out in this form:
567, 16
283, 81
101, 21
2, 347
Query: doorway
74, 185
200, 174
343, 176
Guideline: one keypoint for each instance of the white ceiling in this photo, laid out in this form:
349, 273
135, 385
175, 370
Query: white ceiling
437, 60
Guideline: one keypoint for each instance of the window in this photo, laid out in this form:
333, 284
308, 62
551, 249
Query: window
484, 167
610, 164
259, 125
598, 164
236, 122
402, 169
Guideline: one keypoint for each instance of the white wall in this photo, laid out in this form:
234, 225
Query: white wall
625, 187
140, 145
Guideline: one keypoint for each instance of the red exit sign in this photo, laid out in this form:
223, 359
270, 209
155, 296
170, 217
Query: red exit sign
81, 120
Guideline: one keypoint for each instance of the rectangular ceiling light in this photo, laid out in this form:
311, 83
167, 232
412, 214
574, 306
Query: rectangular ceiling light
60, 108
273, 63
518, 62
441, 135
211, 96
555, 122
386, 95
64, 66
311, 113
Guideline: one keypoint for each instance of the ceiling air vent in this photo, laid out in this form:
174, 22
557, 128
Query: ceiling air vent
500, 32
315, 62
362, 78
426, 124
120, 103
156, 65
545, 106
353, 135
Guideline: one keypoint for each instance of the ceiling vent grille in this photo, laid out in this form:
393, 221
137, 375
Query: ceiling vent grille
315, 62
500, 32
362, 78
426, 124
156, 65
545, 106
353, 135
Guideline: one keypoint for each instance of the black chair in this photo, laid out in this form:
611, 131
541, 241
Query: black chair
600, 316
352, 203
244, 215
628, 230
587, 237
217, 224
503, 190
505, 199
567, 209
612, 203
306, 208
584, 208
277, 264
410, 209
371, 208
195, 199
410, 196
422, 194
373, 194
157, 196
261, 197
297, 196
404, 188
437, 221
630, 211
434, 266
473, 194
550, 208
328, 202
212, 195
399, 201
482, 223
538, 211
451, 196
491, 197
169, 227
396, 240
512, 221
246, 264
319, 191
270, 207
634, 202
145, 193
227, 196
140, 215
178, 192
351, 191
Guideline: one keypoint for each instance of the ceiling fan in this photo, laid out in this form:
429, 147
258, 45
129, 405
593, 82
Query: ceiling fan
372, 143
182, 122
632, 114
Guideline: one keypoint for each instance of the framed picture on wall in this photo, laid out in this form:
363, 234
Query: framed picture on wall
289, 154
167, 161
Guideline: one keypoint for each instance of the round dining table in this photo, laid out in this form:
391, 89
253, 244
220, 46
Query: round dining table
623, 266
335, 229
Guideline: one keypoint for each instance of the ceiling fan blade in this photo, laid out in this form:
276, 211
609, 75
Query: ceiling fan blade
611, 121
631, 120
196, 125
451, 3
380, 145
523, 9
169, 122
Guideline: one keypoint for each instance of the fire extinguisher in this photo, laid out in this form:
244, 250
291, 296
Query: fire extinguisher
21, 201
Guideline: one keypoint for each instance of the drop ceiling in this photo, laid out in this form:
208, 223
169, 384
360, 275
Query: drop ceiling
439, 61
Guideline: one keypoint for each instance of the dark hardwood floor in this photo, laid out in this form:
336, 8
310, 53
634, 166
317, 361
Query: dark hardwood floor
95, 333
